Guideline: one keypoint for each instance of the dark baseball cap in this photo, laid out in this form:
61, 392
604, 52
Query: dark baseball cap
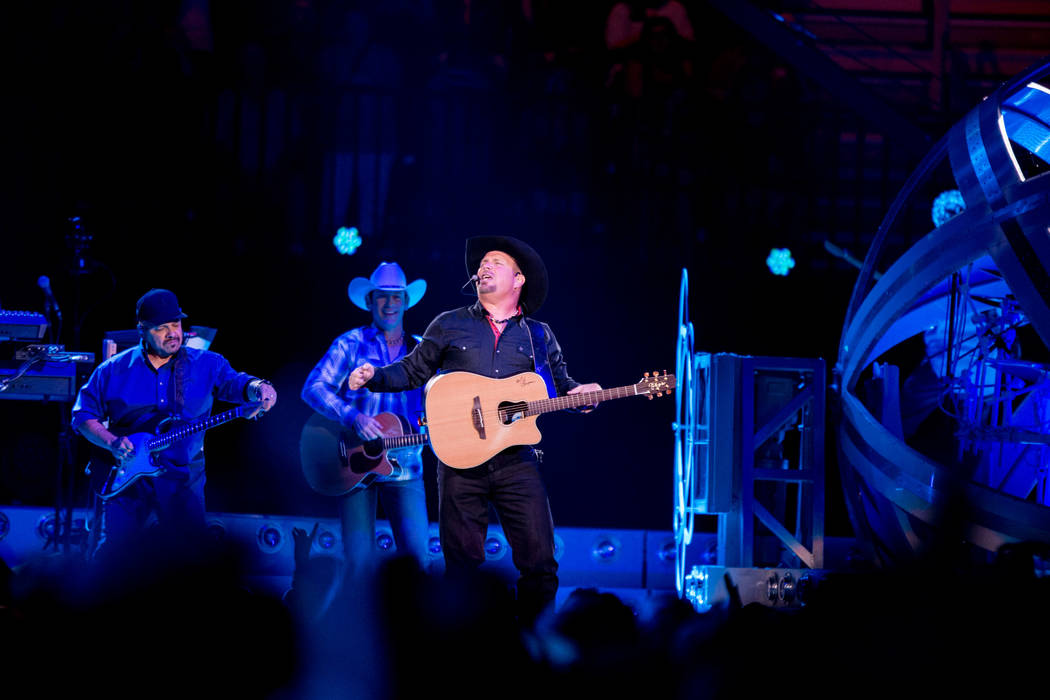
157, 306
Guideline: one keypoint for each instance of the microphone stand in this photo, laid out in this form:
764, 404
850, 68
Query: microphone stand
79, 240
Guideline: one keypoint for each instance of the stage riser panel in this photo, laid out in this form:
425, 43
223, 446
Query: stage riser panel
587, 557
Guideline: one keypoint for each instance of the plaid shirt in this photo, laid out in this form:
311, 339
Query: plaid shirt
326, 391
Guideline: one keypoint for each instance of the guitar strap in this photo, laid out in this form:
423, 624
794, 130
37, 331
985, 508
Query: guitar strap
180, 371
540, 360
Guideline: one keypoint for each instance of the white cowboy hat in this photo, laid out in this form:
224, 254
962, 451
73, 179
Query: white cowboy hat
388, 277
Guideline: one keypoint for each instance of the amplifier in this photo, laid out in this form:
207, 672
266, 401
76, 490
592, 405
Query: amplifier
52, 381
22, 325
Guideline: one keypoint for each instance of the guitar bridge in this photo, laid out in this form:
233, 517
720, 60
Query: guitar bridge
477, 418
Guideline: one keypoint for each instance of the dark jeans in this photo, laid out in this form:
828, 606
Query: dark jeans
175, 504
511, 482
405, 505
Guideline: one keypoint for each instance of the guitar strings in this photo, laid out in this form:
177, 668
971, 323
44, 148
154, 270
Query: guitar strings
501, 413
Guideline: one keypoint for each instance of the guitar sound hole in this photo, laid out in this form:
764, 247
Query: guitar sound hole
510, 411
373, 448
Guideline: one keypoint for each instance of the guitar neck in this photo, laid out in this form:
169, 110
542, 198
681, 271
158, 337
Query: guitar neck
183, 431
589, 398
410, 440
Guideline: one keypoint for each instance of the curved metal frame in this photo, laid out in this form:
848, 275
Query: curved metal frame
686, 438
890, 486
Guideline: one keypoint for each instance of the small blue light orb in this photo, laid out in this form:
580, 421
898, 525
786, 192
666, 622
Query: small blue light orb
604, 550
779, 261
46, 527
347, 240
384, 541
270, 538
493, 547
325, 540
947, 205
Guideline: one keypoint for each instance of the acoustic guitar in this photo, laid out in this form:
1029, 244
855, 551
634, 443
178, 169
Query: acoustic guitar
336, 461
470, 418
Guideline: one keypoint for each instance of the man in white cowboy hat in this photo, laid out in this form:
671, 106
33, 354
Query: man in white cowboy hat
492, 338
386, 295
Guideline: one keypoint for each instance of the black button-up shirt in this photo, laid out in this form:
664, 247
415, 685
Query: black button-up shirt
463, 340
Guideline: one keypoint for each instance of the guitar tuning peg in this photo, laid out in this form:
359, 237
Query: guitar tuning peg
650, 397
645, 374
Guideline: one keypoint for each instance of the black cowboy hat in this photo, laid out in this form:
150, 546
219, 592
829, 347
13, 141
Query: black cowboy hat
529, 261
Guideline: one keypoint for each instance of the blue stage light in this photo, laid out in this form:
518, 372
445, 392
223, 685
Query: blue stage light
347, 240
270, 538
495, 548
325, 540
779, 261
696, 589
605, 549
384, 540
46, 527
946, 205
434, 546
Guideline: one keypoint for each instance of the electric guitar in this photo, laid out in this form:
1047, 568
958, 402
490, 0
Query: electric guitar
143, 460
470, 418
336, 461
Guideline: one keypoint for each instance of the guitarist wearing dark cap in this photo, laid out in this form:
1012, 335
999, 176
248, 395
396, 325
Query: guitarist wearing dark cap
492, 338
147, 408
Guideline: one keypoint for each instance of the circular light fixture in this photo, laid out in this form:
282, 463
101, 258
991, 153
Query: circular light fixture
946, 205
45, 527
605, 548
347, 240
270, 538
326, 539
495, 547
780, 261
384, 541
216, 530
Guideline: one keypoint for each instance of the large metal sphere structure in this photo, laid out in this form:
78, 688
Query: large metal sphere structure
942, 372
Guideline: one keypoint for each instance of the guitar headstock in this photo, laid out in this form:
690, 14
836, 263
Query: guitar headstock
656, 384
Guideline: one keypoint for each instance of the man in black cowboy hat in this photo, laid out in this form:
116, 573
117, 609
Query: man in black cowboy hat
493, 338
386, 295
130, 392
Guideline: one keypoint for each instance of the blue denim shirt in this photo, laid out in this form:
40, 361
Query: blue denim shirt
463, 340
128, 391
326, 392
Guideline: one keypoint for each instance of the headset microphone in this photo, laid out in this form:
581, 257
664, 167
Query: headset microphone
472, 280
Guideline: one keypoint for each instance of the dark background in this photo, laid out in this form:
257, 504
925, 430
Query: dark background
204, 147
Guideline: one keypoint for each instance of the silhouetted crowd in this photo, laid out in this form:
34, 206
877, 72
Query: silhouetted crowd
175, 616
